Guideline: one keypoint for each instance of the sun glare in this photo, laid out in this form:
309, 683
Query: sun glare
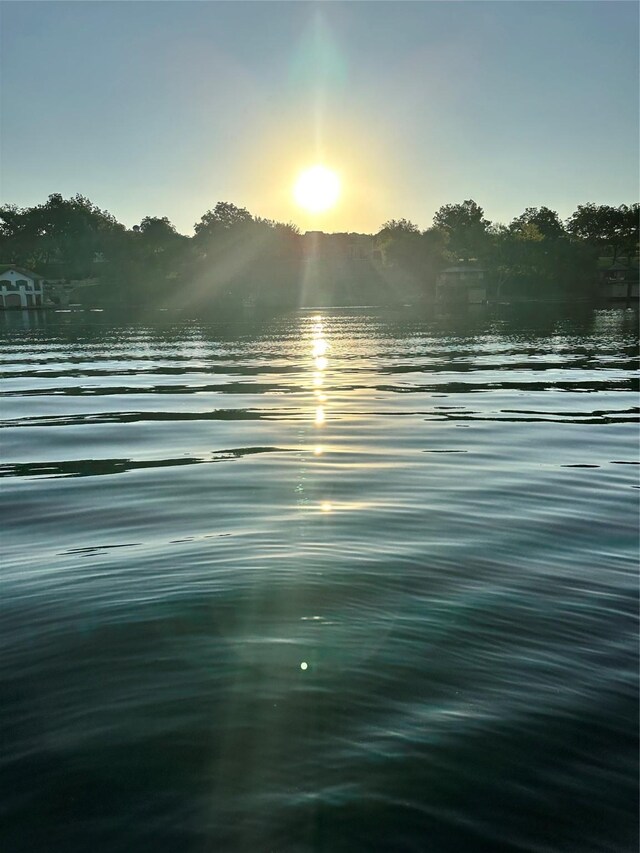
317, 189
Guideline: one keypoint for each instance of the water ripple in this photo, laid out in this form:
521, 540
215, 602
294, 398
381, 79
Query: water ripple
401, 610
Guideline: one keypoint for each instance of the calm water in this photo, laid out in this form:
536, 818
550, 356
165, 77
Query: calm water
338, 581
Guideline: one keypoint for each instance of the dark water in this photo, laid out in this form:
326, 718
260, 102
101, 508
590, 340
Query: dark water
337, 581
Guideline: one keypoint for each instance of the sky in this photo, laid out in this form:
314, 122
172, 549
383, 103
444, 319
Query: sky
165, 108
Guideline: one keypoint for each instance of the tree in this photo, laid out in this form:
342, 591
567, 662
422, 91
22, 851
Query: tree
273, 239
399, 242
419, 256
158, 234
524, 262
70, 232
630, 229
613, 229
465, 228
15, 241
399, 226
544, 219
279, 227
224, 217
157, 225
591, 222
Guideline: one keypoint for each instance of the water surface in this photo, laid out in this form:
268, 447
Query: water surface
334, 581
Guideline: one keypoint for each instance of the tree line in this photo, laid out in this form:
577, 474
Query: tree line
233, 255
535, 254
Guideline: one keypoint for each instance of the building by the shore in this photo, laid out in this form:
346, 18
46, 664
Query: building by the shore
20, 288
619, 281
462, 284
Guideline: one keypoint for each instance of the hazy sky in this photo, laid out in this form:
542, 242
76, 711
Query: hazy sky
165, 108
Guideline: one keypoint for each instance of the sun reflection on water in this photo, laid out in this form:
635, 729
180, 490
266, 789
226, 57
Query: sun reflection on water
319, 349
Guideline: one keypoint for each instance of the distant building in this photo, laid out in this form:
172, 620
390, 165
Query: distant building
462, 285
20, 288
619, 281
340, 246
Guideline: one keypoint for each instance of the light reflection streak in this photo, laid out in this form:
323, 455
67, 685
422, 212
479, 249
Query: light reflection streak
319, 348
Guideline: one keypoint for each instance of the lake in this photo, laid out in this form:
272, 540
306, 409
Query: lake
342, 580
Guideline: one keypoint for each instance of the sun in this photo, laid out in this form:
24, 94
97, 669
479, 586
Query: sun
317, 189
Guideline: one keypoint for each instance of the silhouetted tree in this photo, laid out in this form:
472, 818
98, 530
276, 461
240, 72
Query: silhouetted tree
224, 217
279, 227
16, 239
613, 229
544, 219
418, 255
524, 261
234, 255
159, 254
399, 226
465, 228
158, 236
70, 232
157, 227
399, 241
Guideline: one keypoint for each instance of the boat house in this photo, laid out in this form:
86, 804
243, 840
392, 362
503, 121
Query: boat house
20, 288
465, 285
620, 282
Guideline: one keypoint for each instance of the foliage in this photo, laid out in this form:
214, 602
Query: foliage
69, 232
465, 228
284, 228
157, 227
612, 229
534, 257
224, 217
546, 221
234, 255
399, 226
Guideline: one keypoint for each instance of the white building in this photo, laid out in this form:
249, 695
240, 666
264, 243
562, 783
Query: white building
20, 288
